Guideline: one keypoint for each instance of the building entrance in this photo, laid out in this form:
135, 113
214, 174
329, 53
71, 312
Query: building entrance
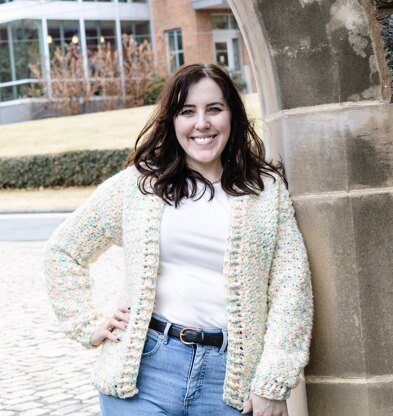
227, 49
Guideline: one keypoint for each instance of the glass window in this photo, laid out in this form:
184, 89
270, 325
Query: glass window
100, 32
221, 53
220, 22
7, 93
5, 59
224, 22
232, 22
175, 49
127, 28
21, 45
61, 33
139, 30
171, 40
26, 44
236, 54
142, 28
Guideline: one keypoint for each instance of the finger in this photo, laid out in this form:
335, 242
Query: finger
248, 408
125, 309
108, 325
100, 336
121, 316
114, 323
112, 337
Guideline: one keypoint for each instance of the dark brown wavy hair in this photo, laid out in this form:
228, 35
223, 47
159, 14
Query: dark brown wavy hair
161, 161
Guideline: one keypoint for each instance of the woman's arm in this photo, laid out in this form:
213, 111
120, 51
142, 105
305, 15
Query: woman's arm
290, 309
88, 232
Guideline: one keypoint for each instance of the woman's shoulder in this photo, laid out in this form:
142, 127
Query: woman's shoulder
123, 177
273, 182
274, 192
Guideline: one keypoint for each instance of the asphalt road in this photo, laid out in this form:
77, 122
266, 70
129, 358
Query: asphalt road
29, 227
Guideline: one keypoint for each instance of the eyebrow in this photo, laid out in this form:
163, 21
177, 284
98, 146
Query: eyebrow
207, 105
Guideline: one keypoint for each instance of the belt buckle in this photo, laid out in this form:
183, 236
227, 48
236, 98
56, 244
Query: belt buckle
182, 334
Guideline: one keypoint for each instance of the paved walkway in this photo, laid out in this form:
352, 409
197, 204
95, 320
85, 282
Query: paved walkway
41, 371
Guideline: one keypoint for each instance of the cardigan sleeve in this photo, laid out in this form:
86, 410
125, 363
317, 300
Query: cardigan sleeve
290, 309
86, 233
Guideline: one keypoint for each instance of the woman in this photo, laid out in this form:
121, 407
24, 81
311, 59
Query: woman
216, 317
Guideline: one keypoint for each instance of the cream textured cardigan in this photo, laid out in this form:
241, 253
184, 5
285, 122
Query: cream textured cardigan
268, 288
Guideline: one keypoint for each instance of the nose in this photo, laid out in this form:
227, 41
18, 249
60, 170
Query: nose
202, 123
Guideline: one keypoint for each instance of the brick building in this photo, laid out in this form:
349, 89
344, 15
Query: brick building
189, 31
181, 32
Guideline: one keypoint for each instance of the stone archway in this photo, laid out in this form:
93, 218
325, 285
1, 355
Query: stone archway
325, 95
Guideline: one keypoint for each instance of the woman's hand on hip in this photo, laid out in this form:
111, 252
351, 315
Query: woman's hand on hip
265, 407
119, 320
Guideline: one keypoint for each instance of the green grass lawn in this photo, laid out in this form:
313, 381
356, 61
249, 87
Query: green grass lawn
105, 130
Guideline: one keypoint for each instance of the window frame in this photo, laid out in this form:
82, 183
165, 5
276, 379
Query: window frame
176, 52
228, 15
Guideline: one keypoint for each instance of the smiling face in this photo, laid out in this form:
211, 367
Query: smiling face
203, 127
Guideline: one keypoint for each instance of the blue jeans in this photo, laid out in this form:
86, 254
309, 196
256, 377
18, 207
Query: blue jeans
175, 379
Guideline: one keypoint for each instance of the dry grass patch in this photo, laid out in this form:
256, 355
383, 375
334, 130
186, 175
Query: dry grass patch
27, 200
107, 130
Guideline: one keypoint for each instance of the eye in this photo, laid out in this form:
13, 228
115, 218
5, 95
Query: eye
186, 112
214, 110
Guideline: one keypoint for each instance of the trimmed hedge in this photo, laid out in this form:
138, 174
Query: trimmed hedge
79, 168
152, 94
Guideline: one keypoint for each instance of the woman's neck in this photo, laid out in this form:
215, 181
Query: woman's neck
212, 175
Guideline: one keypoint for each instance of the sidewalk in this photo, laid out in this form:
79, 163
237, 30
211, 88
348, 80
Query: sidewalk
41, 371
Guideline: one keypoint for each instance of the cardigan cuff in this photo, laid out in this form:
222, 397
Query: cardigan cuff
87, 330
271, 391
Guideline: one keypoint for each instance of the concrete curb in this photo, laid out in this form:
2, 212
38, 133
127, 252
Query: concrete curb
49, 211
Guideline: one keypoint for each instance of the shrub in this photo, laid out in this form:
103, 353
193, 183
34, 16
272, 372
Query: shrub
73, 91
78, 168
154, 91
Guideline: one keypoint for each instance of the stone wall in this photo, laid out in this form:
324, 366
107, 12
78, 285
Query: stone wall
384, 12
325, 91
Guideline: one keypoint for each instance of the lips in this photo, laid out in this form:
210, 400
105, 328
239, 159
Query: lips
203, 139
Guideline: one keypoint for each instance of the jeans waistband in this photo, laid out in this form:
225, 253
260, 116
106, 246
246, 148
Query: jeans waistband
205, 336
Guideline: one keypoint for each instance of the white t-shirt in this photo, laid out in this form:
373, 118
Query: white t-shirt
190, 286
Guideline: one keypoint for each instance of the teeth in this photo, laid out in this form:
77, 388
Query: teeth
202, 139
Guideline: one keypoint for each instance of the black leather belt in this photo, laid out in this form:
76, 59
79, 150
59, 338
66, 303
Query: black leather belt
188, 335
